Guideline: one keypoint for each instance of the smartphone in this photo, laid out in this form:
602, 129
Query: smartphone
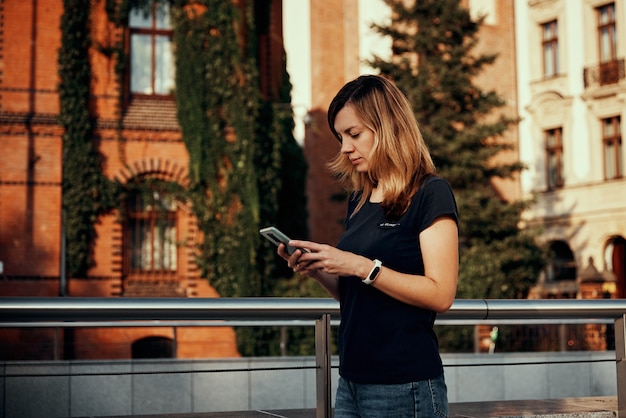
275, 236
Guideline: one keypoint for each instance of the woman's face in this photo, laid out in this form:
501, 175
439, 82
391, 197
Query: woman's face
357, 140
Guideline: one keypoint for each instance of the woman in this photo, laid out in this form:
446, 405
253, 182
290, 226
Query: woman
396, 264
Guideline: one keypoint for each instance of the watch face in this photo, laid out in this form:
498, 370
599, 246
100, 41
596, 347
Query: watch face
374, 273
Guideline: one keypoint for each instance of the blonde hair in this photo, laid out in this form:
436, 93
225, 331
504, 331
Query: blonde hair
399, 158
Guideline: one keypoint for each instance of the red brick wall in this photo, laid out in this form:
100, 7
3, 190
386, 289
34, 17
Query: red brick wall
30, 198
31, 175
334, 61
501, 77
30, 172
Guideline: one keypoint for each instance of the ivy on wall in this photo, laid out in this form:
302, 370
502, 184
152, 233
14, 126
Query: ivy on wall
216, 107
235, 138
244, 164
117, 12
86, 191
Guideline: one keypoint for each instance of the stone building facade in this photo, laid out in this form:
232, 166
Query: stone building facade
571, 84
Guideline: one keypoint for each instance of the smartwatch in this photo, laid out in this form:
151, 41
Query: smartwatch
373, 273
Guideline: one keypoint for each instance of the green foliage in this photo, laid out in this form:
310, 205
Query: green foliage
456, 338
86, 192
281, 176
150, 190
300, 341
291, 341
216, 107
268, 160
281, 170
245, 167
117, 12
497, 258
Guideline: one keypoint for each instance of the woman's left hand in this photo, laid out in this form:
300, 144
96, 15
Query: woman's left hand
327, 259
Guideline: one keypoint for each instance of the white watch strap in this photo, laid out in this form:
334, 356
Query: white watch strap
373, 273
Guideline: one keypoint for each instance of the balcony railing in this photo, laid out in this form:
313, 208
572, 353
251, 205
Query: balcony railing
60, 312
605, 73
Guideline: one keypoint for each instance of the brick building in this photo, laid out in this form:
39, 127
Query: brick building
148, 144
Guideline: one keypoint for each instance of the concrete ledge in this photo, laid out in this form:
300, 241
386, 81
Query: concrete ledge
596, 407
194, 386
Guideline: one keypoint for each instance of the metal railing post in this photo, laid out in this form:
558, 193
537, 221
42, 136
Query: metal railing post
620, 364
322, 370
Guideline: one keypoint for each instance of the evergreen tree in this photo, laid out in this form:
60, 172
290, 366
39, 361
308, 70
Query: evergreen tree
434, 64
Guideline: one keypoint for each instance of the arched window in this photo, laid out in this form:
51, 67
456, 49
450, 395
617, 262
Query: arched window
615, 262
561, 265
150, 233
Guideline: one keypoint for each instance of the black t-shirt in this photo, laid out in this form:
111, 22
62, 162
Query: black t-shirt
383, 340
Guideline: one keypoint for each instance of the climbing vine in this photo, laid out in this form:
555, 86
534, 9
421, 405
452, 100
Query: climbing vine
117, 12
86, 191
244, 164
218, 111
216, 107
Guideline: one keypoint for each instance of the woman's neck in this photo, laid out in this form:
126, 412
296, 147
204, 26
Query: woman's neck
377, 194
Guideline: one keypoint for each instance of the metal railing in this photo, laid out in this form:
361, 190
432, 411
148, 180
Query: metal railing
605, 73
96, 312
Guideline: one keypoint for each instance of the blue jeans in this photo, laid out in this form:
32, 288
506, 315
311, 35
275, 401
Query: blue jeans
426, 398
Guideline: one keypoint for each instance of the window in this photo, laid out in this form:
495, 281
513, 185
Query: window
550, 46
612, 145
615, 264
151, 234
151, 55
561, 263
607, 34
554, 158
607, 37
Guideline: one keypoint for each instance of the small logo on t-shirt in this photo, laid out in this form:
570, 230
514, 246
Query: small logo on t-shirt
388, 225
